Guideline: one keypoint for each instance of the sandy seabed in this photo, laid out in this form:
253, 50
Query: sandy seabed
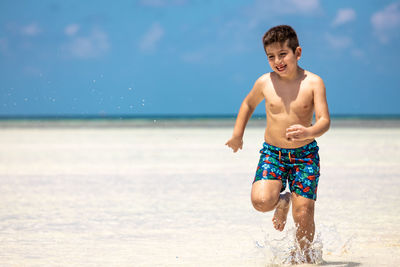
179, 197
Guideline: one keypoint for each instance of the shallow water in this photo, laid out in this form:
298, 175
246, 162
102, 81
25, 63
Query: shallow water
178, 196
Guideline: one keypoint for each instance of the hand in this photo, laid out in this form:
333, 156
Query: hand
235, 143
297, 132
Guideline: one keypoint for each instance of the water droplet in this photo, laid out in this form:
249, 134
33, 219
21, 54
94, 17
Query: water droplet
94, 81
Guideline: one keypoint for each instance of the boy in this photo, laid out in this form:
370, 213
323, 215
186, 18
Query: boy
289, 153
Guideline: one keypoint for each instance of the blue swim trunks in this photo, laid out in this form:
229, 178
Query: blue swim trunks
297, 166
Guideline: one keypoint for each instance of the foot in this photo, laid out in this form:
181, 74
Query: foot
281, 211
297, 256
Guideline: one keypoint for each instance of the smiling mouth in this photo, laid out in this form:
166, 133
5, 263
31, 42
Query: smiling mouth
281, 68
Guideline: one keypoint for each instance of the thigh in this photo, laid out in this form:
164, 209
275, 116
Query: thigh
272, 171
304, 178
266, 189
302, 206
300, 201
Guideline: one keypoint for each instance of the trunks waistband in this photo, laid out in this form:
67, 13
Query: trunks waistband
305, 148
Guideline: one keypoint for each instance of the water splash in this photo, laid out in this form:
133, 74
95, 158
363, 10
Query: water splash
334, 242
286, 250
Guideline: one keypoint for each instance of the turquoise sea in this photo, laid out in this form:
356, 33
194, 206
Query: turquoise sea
371, 121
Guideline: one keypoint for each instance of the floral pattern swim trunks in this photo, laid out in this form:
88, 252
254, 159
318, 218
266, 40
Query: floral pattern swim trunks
298, 166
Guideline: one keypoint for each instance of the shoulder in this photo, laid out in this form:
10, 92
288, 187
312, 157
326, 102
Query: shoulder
263, 80
314, 80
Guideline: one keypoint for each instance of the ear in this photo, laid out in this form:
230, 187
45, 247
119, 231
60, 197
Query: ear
297, 52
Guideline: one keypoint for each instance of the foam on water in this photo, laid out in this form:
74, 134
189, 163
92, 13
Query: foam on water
285, 250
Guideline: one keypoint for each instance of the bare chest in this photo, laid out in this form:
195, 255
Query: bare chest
298, 101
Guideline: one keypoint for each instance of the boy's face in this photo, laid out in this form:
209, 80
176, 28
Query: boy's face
282, 59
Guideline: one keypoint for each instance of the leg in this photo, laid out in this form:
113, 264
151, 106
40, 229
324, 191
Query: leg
303, 216
303, 185
265, 196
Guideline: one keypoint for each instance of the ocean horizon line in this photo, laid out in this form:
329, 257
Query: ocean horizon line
181, 121
177, 116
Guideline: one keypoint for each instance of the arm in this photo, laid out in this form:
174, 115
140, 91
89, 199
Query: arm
246, 110
322, 118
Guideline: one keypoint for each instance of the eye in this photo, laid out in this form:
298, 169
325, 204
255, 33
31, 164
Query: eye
283, 54
271, 57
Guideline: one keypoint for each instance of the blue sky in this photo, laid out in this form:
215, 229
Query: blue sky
189, 56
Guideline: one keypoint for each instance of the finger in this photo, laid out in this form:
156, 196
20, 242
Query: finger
296, 125
294, 133
291, 129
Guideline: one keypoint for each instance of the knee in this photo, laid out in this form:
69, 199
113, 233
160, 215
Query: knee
264, 203
303, 212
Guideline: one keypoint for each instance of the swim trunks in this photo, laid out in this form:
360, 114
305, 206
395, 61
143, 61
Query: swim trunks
297, 166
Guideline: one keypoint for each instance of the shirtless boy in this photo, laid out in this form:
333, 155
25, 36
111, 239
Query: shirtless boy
290, 153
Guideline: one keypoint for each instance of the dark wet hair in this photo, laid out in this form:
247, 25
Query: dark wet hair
280, 34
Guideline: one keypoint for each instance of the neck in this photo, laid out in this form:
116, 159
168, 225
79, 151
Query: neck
293, 76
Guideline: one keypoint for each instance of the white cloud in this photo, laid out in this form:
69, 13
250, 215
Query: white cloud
262, 11
71, 29
151, 38
386, 22
243, 31
303, 6
343, 16
338, 42
31, 30
91, 46
162, 3
277, 7
194, 56
359, 54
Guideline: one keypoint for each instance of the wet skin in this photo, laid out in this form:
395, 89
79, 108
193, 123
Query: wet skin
291, 95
